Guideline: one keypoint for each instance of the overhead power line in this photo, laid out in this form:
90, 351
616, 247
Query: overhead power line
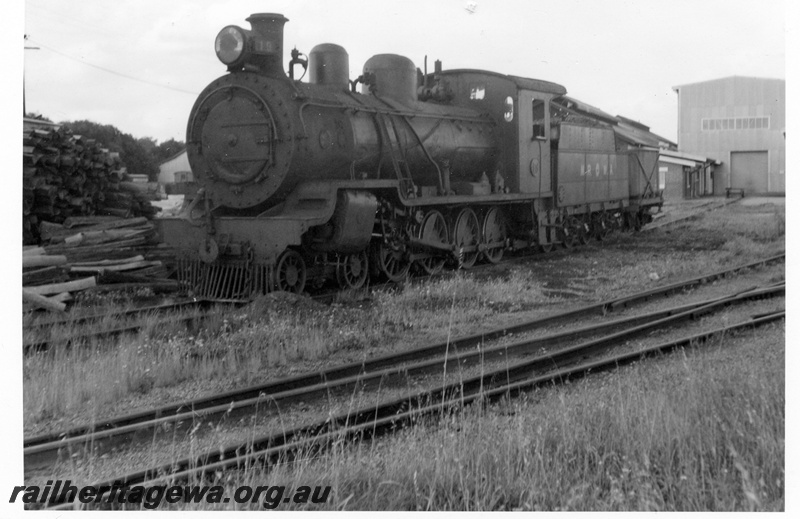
65, 19
114, 72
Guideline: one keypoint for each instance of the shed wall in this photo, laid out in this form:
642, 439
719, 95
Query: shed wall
735, 98
175, 170
672, 175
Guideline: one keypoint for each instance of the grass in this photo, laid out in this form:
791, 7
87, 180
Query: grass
700, 430
734, 230
716, 240
271, 335
457, 300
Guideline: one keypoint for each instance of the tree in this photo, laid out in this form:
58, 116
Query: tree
132, 152
149, 145
169, 148
163, 151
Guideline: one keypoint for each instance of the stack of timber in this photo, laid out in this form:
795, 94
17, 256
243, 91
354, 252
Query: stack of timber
65, 175
97, 253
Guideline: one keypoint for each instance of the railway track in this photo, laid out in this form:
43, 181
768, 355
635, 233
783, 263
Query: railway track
544, 369
44, 449
38, 329
41, 344
706, 208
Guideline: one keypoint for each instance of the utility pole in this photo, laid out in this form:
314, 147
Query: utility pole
24, 111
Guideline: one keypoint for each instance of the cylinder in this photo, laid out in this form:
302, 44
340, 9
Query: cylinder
329, 64
395, 77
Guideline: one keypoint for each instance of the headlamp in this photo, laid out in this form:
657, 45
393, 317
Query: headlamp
230, 45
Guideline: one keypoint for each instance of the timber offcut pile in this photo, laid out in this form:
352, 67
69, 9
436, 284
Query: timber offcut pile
65, 175
95, 253
86, 224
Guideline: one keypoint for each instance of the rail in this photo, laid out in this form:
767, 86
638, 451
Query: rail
44, 449
389, 417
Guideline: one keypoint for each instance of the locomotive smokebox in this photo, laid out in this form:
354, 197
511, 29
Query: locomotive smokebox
268, 42
395, 77
329, 64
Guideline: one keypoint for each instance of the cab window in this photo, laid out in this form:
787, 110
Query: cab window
538, 119
508, 109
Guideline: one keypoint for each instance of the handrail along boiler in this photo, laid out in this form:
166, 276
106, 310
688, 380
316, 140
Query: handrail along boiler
333, 179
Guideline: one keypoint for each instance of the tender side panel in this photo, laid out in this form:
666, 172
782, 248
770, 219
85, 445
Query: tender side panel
617, 177
571, 181
588, 168
596, 175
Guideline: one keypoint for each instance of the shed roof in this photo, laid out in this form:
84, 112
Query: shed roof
726, 78
642, 137
173, 157
688, 156
685, 159
635, 124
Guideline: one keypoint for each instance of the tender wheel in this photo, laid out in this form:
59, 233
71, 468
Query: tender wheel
351, 270
433, 229
600, 227
391, 262
612, 224
290, 272
466, 237
569, 233
582, 230
619, 220
628, 224
638, 222
494, 235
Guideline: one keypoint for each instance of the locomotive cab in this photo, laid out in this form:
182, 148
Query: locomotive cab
520, 107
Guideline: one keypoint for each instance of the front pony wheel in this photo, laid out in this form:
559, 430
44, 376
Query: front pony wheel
290, 272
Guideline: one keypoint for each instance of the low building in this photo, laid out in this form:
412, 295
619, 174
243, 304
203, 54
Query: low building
740, 122
175, 170
684, 175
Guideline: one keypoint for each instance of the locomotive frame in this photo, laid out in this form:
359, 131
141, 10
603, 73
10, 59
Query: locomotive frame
305, 182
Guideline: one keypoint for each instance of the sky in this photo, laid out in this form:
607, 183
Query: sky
139, 65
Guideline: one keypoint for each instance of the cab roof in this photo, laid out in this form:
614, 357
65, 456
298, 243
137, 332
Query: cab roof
522, 83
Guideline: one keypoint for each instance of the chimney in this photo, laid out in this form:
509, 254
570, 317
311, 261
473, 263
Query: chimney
267, 29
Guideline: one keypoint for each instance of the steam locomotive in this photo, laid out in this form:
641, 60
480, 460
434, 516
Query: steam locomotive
334, 179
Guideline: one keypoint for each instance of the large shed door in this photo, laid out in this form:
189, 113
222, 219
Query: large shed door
749, 170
